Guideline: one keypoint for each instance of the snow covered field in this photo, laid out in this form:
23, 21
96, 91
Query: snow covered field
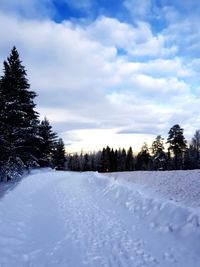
140, 219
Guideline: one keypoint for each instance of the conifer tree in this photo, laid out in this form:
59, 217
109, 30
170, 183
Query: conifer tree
123, 160
129, 160
86, 166
177, 144
112, 161
19, 120
59, 158
195, 145
143, 158
159, 158
105, 160
47, 143
4, 144
119, 158
157, 145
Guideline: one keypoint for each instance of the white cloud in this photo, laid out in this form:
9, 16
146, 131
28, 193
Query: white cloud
82, 81
158, 68
28, 8
168, 67
139, 8
154, 47
135, 40
112, 32
185, 33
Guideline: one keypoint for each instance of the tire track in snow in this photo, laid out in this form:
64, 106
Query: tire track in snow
99, 235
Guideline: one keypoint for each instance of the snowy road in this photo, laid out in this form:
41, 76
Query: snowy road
75, 220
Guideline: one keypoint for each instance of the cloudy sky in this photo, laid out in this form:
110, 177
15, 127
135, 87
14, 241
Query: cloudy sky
116, 72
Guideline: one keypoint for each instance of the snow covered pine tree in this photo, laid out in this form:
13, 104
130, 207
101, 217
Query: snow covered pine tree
59, 158
18, 119
48, 143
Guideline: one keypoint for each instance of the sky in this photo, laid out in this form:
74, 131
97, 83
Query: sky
108, 72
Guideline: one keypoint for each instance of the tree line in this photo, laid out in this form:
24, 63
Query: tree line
178, 156
25, 141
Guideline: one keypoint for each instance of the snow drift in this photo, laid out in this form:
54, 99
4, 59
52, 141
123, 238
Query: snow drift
169, 200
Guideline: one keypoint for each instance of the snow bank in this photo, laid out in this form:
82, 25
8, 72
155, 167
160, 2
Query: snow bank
180, 186
157, 197
6, 187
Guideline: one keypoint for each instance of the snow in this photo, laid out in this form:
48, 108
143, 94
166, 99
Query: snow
67, 219
179, 186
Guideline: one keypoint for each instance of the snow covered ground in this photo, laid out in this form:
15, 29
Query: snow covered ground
70, 219
180, 186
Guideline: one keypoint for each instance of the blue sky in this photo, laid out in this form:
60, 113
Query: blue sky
109, 72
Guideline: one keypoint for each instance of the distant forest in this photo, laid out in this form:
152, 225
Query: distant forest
179, 156
26, 142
